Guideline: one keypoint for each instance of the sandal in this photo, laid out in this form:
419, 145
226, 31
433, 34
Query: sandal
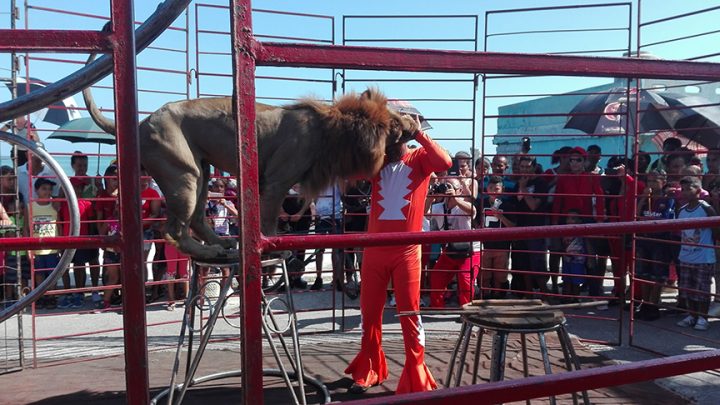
170, 306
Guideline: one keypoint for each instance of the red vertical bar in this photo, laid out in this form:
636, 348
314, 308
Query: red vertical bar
248, 199
126, 106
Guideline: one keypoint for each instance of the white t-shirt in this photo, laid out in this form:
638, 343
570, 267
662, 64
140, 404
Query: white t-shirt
696, 254
457, 219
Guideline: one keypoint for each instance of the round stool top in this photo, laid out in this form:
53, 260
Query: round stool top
512, 315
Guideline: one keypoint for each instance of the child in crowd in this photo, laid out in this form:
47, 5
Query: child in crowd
697, 257
15, 259
575, 259
177, 268
106, 210
44, 223
653, 257
82, 256
496, 212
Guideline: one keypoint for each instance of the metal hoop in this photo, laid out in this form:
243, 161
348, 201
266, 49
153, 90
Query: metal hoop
67, 255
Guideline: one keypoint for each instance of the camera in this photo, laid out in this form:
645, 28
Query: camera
440, 188
525, 145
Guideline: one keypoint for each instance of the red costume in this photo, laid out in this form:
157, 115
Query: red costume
398, 204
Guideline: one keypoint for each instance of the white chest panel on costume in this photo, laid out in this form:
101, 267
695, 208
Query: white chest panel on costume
394, 186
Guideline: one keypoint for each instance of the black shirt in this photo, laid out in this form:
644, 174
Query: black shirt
532, 218
485, 219
292, 205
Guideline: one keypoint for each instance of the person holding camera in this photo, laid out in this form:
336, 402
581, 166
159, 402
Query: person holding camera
457, 258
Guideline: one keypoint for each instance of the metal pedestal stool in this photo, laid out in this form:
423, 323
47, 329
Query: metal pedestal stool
275, 332
502, 327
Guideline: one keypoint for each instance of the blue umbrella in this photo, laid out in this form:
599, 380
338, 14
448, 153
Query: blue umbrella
82, 130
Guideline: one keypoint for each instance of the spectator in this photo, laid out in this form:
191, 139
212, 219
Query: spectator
295, 218
24, 129
495, 212
151, 206
696, 173
79, 164
25, 177
8, 186
697, 257
579, 190
44, 223
16, 260
482, 169
561, 158
675, 165
177, 269
620, 210
713, 168
328, 221
106, 211
219, 212
643, 163
531, 206
499, 166
714, 201
653, 256
594, 153
356, 201
457, 259
576, 258
465, 174
82, 256
670, 145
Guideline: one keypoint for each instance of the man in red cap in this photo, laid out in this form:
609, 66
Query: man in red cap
398, 199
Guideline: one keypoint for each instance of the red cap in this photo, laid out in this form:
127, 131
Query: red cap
580, 151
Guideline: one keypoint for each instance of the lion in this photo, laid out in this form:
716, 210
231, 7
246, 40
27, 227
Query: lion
310, 142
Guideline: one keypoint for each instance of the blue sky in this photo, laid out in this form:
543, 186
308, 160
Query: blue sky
446, 102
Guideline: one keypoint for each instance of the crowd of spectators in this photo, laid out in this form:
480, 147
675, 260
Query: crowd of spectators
500, 192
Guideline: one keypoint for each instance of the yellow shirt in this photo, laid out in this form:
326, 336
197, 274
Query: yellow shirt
44, 224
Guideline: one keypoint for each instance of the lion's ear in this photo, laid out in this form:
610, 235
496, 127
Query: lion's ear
373, 94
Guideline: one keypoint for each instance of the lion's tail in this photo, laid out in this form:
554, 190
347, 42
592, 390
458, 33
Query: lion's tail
106, 124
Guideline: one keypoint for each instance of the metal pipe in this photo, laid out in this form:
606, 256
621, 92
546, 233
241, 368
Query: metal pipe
134, 318
420, 60
544, 386
165, 14
248, 199
533, 232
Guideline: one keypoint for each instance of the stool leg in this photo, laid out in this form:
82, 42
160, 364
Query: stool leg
566, 357
573, 358
546, 360
497, 367
463, 354
523, 343
453, 355
478, 348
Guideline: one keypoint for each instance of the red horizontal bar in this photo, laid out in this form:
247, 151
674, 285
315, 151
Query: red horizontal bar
554, 384
54, 41
63, 242
487, 234
421, 60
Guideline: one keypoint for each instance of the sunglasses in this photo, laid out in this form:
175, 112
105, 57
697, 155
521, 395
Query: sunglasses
576, 159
